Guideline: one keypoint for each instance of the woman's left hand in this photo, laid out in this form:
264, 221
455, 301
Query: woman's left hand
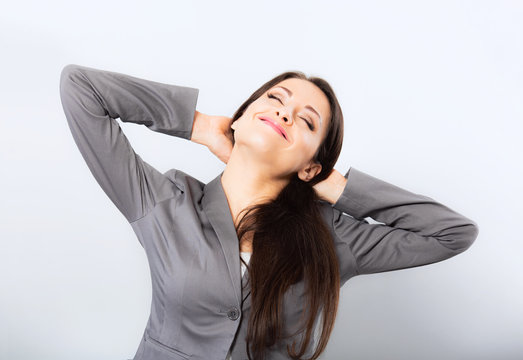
332, 187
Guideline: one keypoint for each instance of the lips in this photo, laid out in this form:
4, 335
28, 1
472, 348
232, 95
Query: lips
277, 127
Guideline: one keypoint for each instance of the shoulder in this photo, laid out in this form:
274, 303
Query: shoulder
328, 212
184, 182
336, 219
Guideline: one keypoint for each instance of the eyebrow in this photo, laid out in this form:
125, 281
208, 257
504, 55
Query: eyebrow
307, 107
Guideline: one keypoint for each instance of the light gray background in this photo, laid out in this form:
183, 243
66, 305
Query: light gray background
432, 97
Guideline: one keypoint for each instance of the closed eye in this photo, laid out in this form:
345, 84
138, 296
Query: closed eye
310, 125
270, 96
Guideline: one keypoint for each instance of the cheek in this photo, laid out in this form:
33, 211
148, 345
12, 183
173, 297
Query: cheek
304, 149
257, 107
309, 143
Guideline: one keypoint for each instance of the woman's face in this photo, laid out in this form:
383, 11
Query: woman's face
283, 129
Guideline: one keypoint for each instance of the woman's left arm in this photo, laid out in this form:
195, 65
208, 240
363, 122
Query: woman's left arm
416, 229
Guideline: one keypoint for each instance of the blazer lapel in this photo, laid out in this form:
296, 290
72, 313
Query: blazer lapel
216, 208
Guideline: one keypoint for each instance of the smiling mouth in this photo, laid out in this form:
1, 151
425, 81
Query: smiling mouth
268, 122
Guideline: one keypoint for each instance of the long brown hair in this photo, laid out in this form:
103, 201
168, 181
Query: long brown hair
291, 242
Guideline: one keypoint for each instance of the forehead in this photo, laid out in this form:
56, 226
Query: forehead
306, 93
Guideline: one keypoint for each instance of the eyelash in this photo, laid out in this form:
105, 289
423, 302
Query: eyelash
271, 96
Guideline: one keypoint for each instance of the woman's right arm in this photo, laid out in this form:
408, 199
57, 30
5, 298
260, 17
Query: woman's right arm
92, 99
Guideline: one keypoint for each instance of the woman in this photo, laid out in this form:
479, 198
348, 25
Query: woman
278, 200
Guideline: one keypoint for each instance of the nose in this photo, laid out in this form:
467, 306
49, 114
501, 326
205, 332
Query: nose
286, 118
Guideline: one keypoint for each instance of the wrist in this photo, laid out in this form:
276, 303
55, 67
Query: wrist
332, 187
199, 127
337, 187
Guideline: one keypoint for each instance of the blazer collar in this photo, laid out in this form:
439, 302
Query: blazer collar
217, 209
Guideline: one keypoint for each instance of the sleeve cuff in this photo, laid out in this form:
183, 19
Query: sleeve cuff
350, 200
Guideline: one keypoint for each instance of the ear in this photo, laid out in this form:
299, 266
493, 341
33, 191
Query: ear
309, 172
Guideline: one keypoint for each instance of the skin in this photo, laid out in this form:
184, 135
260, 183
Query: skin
261, 161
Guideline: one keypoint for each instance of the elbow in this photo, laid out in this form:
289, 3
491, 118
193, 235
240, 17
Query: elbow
468, 236
69, 69
460, 238
66, 75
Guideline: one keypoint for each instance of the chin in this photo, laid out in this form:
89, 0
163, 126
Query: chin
259, 149
261, 141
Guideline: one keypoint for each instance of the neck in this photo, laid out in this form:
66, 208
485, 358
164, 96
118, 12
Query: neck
248, 182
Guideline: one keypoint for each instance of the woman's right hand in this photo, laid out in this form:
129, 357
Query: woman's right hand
215, 133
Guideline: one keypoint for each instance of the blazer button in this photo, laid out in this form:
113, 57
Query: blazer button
233, 314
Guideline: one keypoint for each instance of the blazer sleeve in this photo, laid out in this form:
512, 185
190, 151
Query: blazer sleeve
93, 99
416, 229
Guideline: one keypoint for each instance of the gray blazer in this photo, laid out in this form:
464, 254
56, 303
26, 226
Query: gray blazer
200, 301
